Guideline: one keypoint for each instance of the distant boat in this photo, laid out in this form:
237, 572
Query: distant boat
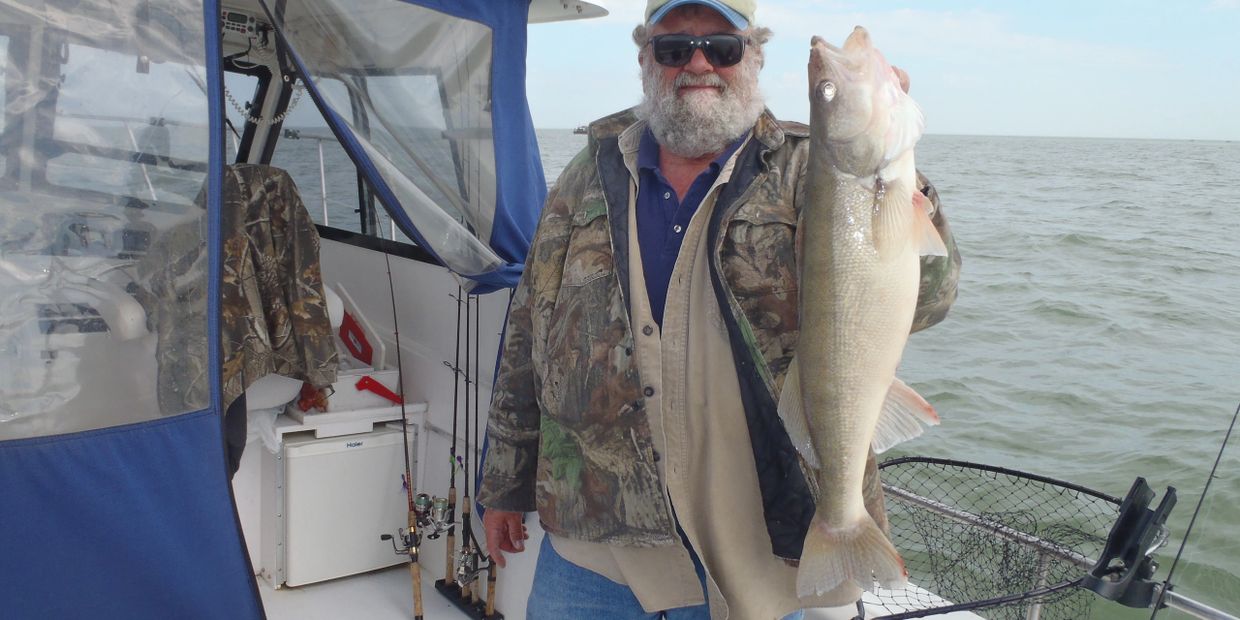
581, 129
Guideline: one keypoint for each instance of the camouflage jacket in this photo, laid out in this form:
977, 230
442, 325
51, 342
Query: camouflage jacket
273, 314
568, 430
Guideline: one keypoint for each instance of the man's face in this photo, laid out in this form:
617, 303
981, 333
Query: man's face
703, 82
699, 109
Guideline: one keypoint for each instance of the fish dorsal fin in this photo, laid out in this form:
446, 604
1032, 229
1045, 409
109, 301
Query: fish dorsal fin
905, 415
792, 412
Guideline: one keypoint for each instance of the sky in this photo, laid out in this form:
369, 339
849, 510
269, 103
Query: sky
1166, 69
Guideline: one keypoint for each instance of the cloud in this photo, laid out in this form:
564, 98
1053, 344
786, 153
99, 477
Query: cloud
1223, 5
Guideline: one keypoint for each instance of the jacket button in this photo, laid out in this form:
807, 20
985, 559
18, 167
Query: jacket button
649, 391
647, 330
657, 458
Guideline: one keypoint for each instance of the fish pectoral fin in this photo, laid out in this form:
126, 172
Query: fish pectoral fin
929, 241
792, 411
905, 415
858, 553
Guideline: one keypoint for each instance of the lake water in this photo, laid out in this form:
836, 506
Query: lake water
1096, 337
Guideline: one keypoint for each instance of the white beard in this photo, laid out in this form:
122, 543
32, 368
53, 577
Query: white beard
701, 122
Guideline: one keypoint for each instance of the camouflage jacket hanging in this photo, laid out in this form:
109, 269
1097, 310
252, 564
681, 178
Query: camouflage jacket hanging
273, 315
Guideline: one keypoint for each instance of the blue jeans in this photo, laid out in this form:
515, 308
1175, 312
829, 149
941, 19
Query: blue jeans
564, 591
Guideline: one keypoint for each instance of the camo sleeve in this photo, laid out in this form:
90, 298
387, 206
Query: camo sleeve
513, 429
940, 275
510, 468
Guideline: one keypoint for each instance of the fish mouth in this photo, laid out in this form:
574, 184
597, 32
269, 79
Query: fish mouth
825, 61
817, 42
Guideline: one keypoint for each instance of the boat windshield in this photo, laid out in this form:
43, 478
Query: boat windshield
103, 158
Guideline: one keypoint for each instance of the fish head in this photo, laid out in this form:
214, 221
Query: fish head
857, 105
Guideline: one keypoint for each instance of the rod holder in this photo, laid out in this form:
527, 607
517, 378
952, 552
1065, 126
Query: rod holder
1123, 571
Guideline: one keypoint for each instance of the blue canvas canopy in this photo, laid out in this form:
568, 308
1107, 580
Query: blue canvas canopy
116, 499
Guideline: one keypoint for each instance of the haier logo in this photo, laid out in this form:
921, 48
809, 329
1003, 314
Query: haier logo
353, 444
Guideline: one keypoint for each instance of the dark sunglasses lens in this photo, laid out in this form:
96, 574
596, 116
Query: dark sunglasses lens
672, 50
675, 50
723, 50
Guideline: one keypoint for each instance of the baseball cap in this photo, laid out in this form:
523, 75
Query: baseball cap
739, 12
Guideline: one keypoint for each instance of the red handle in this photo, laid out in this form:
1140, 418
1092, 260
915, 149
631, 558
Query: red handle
370, 383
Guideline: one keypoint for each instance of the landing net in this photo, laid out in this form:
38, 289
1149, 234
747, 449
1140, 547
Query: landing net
1002, 544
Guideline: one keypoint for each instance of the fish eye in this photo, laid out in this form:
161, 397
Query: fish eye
828, 90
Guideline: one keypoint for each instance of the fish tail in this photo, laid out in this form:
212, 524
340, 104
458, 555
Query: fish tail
860, 553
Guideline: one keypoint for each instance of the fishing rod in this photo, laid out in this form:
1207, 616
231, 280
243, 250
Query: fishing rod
474, 549
472, 561
459, 584
1165, 596
490, 568
467, 566
410, 538
450, 570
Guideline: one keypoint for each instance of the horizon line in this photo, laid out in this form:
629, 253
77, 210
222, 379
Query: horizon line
997, 135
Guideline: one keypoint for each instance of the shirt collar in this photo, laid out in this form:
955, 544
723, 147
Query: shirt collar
648, 152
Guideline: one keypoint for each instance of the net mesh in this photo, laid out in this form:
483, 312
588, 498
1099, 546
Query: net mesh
1005, 544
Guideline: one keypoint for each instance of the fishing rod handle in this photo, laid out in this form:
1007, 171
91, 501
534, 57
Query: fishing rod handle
491, 580
416, 575
450, 575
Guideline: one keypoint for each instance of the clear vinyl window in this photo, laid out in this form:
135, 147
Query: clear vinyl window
146, 146
423, 119
103, 264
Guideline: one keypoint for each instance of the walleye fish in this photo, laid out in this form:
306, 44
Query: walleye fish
863, 230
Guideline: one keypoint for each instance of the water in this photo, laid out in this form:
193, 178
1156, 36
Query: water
1096, 337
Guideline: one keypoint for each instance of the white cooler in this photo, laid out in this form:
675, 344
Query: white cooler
339, 495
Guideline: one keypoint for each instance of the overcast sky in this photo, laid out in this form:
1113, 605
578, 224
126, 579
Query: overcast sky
1090, 68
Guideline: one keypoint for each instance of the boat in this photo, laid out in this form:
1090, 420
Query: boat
581, 130
123, 120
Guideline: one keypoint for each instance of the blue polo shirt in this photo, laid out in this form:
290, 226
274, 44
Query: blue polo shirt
662, 218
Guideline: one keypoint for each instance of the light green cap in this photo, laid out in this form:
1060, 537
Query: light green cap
739, 12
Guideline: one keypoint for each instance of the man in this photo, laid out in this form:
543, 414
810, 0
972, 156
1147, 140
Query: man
635, 408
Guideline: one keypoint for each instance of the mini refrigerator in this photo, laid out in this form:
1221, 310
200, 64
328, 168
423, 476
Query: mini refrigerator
327, 502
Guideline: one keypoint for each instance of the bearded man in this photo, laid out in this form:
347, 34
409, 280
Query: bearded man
635, 407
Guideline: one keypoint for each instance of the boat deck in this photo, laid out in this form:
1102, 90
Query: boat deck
384, 595
377, 595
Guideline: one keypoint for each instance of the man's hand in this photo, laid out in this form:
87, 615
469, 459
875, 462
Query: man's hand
505, 533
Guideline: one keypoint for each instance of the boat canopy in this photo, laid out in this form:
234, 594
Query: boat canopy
109, 169
428, 98
110, 161
112, 466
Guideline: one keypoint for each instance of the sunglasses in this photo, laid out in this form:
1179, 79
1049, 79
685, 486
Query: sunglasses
675, 50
